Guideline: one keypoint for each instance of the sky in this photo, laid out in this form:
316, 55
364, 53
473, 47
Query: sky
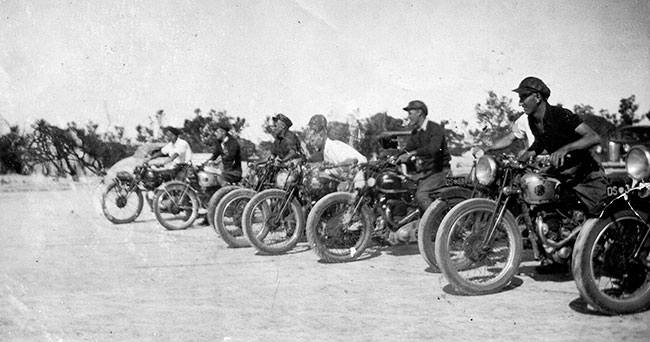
118, 62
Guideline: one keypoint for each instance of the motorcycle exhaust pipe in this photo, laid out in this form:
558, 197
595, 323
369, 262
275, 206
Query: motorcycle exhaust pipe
550, 243
388, 217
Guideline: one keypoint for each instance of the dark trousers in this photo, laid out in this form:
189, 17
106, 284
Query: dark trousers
426, 187
592, 190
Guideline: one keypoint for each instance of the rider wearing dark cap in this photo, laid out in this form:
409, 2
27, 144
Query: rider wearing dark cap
230, 152
286, 145
428, 142
567, 139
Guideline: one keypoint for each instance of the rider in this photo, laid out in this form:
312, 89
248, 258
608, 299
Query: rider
567, 139
330, 151
286, 145
228, 152
427, 142
178, 151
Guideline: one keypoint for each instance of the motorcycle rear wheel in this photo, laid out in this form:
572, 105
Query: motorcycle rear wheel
335, 237
120, 205
176, 206
214, 201
269, 230
471, 267
228, 217
428, 228
605, 272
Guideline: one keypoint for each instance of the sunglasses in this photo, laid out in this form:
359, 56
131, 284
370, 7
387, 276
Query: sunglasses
523, 97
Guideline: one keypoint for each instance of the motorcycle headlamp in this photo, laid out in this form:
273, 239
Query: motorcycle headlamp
637, 162
281, 179
486, 170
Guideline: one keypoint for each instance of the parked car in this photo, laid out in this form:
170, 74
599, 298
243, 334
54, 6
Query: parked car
623, 138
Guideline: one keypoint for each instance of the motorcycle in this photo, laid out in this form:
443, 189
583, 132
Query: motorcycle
176, 203
611, 260
479, 242
274, 219
340, 225
228, 211
123, 199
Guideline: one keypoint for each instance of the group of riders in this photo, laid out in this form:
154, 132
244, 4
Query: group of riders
545, 129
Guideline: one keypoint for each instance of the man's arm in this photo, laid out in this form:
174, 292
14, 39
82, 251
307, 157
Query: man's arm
503, 142
589, 138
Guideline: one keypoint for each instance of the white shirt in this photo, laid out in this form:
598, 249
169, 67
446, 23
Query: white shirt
521, 130
180, 147
335, 152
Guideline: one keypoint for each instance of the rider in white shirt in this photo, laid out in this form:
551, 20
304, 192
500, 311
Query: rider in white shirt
334, 152
520, 130
178, 151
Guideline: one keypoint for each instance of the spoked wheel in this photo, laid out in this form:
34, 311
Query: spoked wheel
428, 228
228, 217
214, 201
272, 222
122, 202
607, 273
472, 265
337, 230
176, 206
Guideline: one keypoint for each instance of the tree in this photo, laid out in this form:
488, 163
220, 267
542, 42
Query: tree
626, 115
12, 149
494, 119
372, 127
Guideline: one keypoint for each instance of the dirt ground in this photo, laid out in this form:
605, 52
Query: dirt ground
68, 274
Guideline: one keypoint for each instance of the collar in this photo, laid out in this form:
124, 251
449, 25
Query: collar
424, 124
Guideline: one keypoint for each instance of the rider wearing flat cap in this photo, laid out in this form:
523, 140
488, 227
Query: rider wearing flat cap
428, 143
286, 145
229, 152
560, 133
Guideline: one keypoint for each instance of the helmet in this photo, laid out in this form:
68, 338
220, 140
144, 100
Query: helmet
532, 84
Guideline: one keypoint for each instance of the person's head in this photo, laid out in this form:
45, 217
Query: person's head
281, 123
532, 92
222, 130
317, 123
316, 133
417, 113
171, 133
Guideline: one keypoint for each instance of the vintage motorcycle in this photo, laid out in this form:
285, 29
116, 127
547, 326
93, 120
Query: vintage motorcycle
176, 203
479, 243
123, 199
340, 225
274, 219
611, 260
227, 215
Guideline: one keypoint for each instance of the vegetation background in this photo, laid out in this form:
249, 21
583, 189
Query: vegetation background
79, 149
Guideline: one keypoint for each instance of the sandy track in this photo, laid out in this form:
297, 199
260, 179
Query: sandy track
68, 274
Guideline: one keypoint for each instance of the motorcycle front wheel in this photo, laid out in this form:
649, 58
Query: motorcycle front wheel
176, 206
122, 202
428, 228
471, 265
228, 217
607, 274
273, 222
337, 230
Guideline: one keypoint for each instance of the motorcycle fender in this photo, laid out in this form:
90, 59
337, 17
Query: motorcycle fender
454, 192
620, 204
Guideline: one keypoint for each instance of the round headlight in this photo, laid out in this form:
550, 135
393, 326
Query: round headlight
637, 162
281, 179
486, 170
